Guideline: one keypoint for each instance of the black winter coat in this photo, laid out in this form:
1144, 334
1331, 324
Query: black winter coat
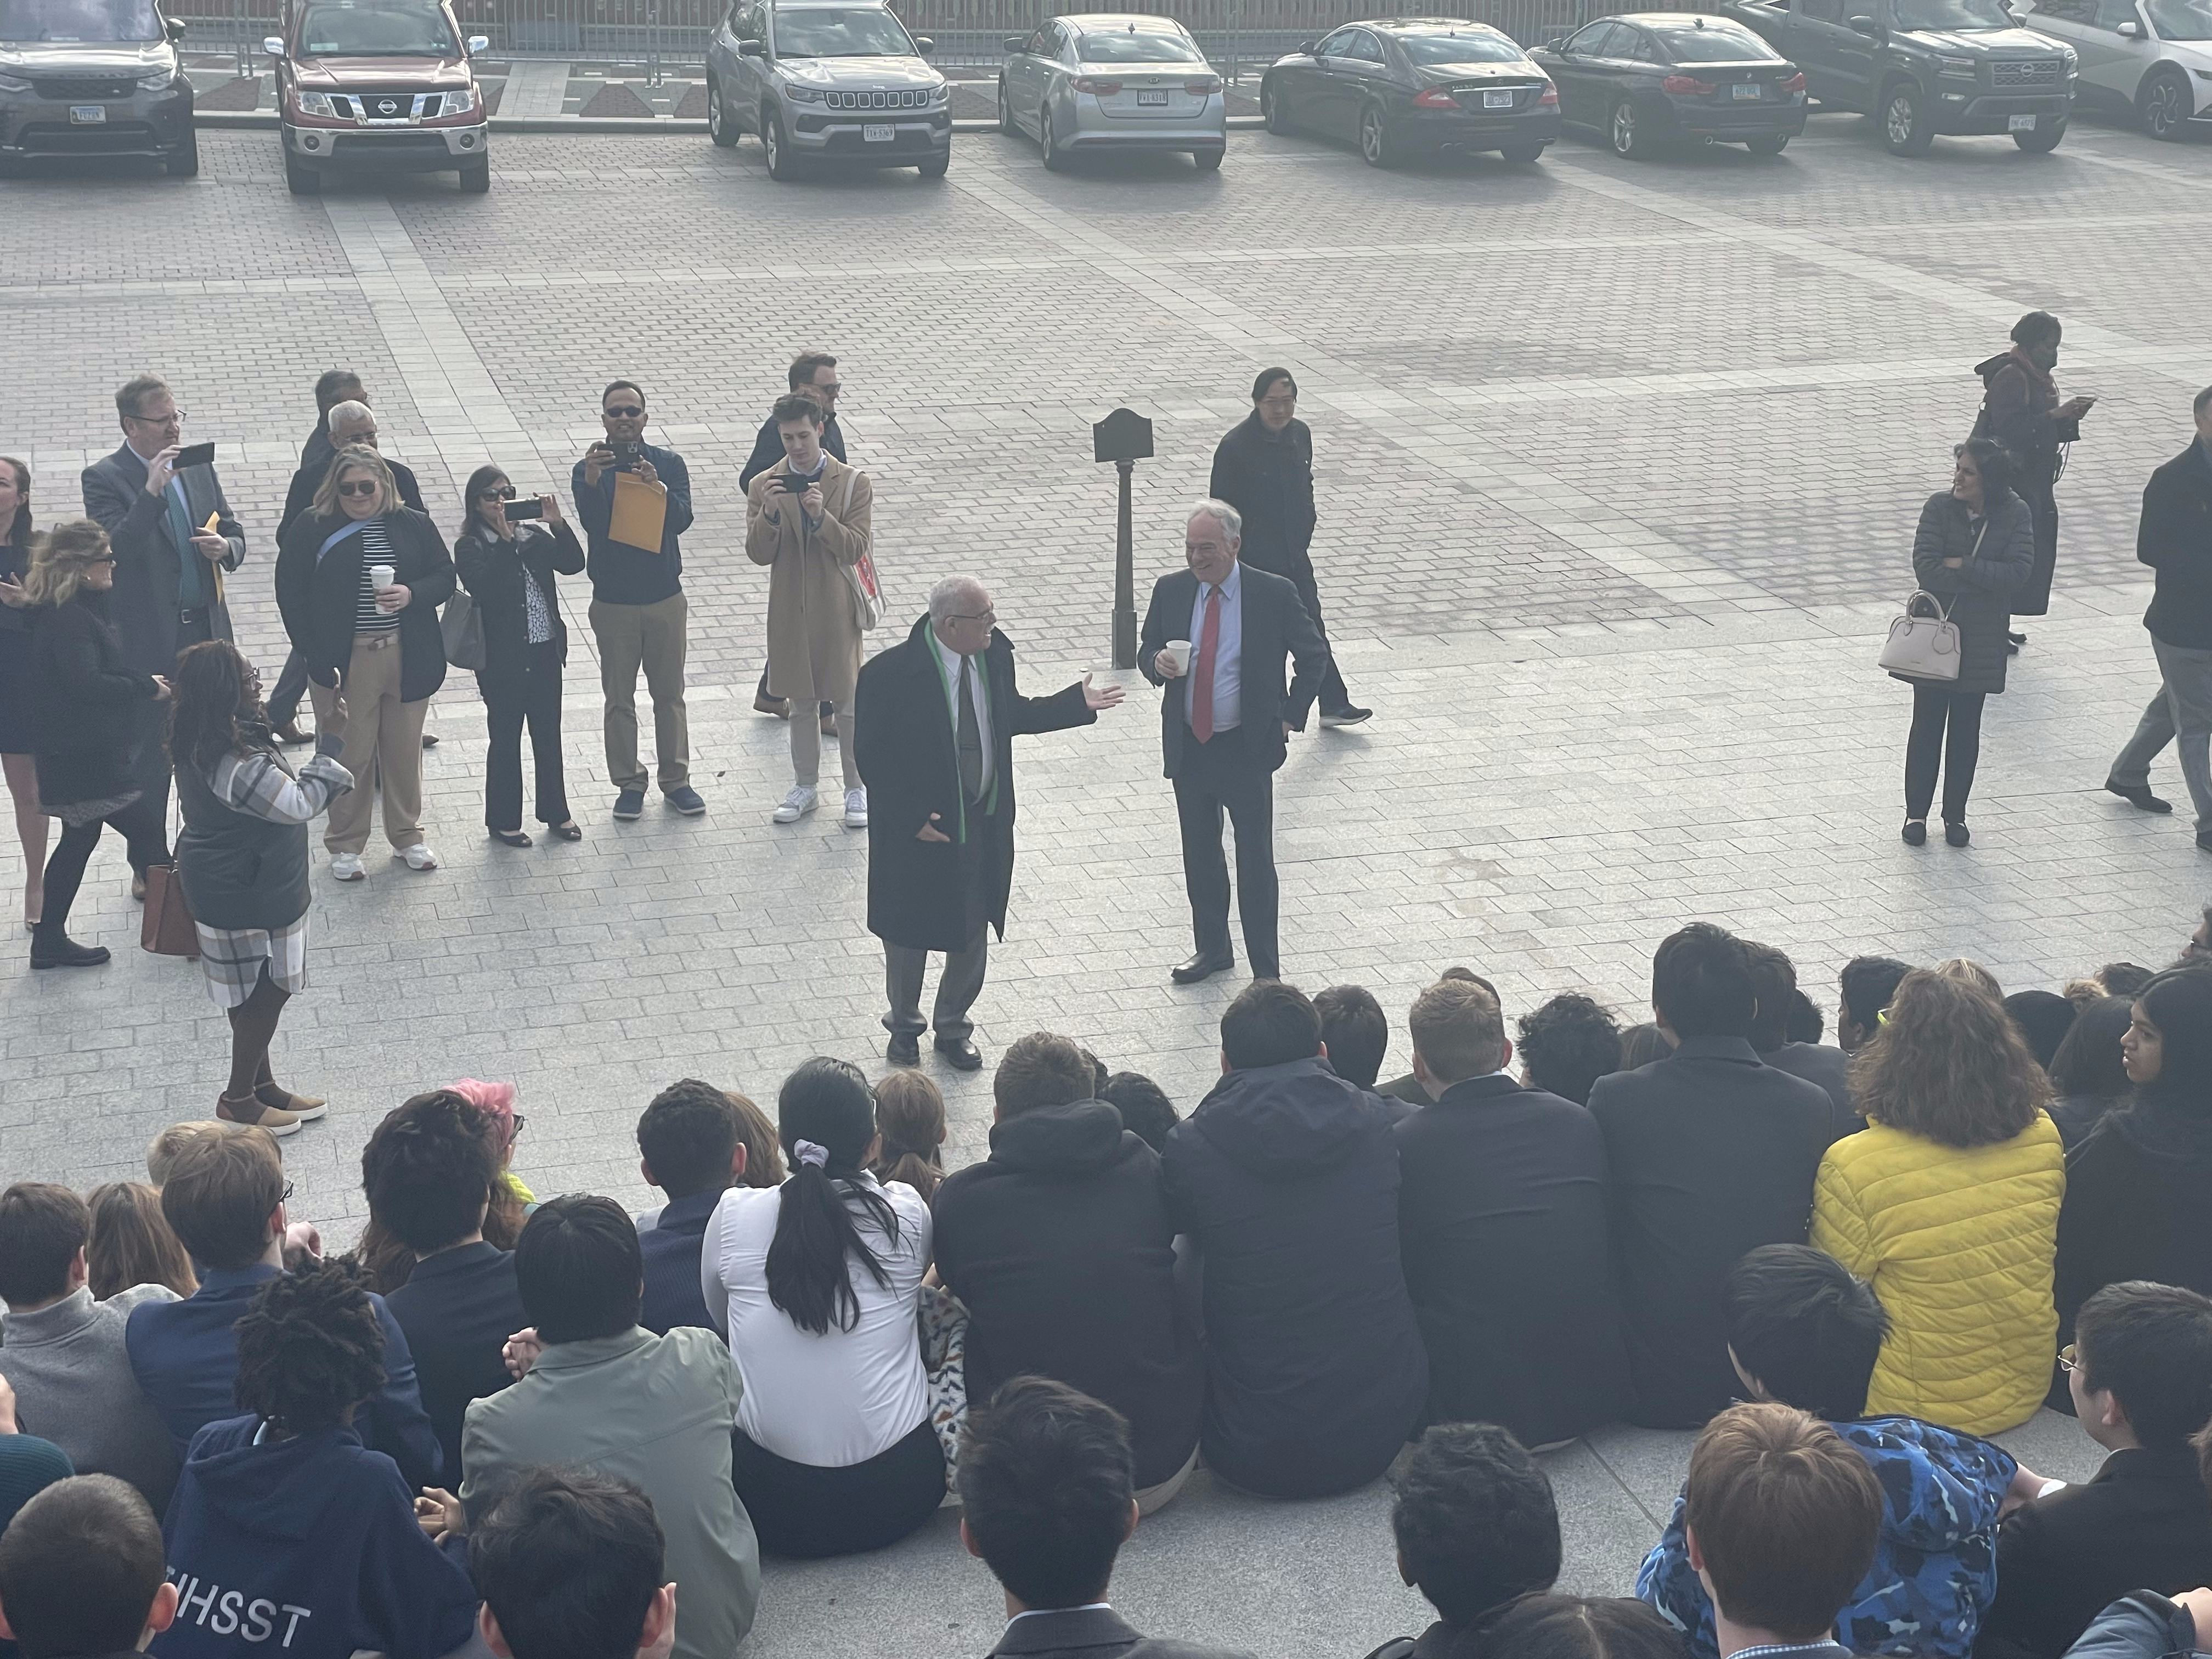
1976, 596
2135, 1205
1268, 476
87, 719
317, 597
1286, 1178
1062, 1248
1502, 1227
492, 572
918, 890
2175, 539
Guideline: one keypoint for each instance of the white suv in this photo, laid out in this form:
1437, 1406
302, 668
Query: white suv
2151, 59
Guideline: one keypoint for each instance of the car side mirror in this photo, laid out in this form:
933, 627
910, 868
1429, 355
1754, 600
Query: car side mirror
924, 44
1307, 46
752, 48
2132, 31
173, 27
274, 46
1555, 44
1867, 27
1014, 42
479, 43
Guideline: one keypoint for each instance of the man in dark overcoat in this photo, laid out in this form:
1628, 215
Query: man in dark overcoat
935, 719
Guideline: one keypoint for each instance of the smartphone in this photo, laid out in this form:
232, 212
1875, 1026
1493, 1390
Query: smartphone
784, 482
520, 507
628, 451
194, 455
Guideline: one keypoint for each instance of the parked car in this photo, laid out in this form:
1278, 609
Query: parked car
94, 78
379, 86
1924, 67
1655, 78
2149, 58
828, 84
1113, 82
1399, 86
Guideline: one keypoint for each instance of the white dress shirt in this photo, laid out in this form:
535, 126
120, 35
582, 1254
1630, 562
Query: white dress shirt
1228, 649
840, 1398
950, 660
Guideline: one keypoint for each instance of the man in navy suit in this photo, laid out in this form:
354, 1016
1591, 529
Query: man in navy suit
1225, 725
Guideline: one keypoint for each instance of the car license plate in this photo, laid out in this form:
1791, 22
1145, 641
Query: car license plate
2021, 123
1745, 90
88, 114
873, 133
1145, 98
1498, 101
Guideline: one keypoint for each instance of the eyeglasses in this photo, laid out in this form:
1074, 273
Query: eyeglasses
2069, 1359
285, 1197
505, 493
1278, 403
625, 411
174, 417
359, 487
830, 391
518, 1122
987, 617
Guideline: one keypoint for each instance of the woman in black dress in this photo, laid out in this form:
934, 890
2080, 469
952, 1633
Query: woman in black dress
16, 741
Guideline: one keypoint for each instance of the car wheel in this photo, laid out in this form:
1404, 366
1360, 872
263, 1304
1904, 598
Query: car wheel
1048, 149
722, 129
1376, 147
935, 166
1522, 154
1905, 127
781, 163
1005, 110
475, 176
184, 162
2163, 104
1208, 160
1627, 129
1767, 144
1272, 110
302, 181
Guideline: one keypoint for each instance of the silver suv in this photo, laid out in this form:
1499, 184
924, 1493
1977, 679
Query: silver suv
94, 78
830, 83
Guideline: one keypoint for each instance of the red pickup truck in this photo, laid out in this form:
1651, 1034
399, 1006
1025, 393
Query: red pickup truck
378, 86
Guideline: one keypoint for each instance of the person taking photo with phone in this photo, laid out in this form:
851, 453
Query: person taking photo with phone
2020, 411
637, 604
815, 374
508, 554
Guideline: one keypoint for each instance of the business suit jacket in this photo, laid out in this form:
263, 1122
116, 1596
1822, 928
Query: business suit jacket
1094, 1633
458, 1308
148, 563
1276, 625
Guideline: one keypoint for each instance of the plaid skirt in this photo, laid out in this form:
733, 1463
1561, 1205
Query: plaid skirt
232, 960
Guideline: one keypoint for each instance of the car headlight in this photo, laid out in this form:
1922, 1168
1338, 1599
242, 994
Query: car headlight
316, 103
942, 92
159, 81
800, 94
1963, 66
13, 83
459, 103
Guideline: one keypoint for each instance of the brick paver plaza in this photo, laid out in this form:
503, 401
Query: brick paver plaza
1618, 470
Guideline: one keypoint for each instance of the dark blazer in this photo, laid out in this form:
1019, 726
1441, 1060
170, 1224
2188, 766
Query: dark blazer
86, 703
492, 572
1711, 1154
2135, 1205
300, 498
1977, 596
2174, 538
1093, 1633
904, 742
1276, 626
671, 1247
148, 563
318, 597
1816, 1062
1502, 1226
1268, 478
1062, 1248
458, 1308
2144, 1522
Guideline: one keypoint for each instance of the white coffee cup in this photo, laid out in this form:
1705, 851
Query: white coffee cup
1178, 652
379, 576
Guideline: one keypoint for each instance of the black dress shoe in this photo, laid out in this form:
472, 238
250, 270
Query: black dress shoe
1201, 967
1955, 832
2140, 796
429, 739
2014, 640
903, 1049
2204, 840
960, 1054
1916, 832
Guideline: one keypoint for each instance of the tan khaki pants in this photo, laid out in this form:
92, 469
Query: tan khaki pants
383, 742
650, 636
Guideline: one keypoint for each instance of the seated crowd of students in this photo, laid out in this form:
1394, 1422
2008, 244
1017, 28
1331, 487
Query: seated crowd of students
507, 1426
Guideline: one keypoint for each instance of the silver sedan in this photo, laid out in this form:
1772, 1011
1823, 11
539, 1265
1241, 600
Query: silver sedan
1113, 82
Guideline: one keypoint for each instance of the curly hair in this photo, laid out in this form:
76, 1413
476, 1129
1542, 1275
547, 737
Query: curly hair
310, 1349
1946, 1063
1475, 1520
218, 708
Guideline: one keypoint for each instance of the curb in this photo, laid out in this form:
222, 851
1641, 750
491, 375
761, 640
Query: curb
265, 120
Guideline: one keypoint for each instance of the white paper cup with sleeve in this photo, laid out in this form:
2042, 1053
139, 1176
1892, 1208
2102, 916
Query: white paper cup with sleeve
1178, 652
379, 576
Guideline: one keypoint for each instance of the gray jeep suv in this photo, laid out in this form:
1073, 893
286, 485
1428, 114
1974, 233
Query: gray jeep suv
94, 78
828, 84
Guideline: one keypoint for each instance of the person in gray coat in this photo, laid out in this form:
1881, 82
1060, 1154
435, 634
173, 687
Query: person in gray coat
1973, 550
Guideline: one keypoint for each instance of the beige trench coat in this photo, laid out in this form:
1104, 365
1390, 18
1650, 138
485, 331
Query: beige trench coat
813, 636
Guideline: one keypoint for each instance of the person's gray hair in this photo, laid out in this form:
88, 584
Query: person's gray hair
951, 592
352, 412
1230, 520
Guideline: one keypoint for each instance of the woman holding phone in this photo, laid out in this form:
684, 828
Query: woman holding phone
16, 681
508, 554
359, 580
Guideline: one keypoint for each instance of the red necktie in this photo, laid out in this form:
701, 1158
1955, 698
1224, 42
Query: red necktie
1201, 693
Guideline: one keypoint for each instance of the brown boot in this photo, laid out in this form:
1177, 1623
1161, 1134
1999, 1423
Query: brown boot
278, 1097
245, 1109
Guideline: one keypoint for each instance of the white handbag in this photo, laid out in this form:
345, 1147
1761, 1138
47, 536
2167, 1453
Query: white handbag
1923, 648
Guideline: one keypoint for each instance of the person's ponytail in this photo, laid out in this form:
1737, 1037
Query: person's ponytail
826, 1122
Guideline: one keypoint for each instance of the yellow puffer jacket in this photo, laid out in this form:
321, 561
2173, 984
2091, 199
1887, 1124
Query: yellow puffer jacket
1959, 1247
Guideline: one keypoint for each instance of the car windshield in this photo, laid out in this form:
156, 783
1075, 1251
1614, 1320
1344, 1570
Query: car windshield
1968, 15
78, 20
2182, 20
865, 31
344, 28
1145, 46
1474, 46
1711, 45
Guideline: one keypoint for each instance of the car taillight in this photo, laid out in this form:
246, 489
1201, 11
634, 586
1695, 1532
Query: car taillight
1549, 95
1435, 98
1795, 82
1096, 86
1202, 88
1687, 86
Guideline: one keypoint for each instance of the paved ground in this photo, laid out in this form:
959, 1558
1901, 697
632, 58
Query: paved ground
1619, 466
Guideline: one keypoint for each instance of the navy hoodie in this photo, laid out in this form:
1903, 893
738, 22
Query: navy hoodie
306, 1548
1287, 1176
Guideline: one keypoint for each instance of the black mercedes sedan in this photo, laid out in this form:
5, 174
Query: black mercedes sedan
1404, 86
1656, 77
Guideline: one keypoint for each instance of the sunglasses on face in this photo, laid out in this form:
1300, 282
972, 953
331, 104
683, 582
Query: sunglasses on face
624, 412
359, 487
505, 494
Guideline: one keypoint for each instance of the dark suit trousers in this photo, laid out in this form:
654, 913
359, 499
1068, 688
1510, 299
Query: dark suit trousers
1333, 698
536, 700
283, 703
961, 982
150, 770
1219, 776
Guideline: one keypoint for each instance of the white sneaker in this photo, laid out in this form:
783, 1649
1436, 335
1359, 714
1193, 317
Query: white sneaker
419, 857
856, 809
797, 805
346, 866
